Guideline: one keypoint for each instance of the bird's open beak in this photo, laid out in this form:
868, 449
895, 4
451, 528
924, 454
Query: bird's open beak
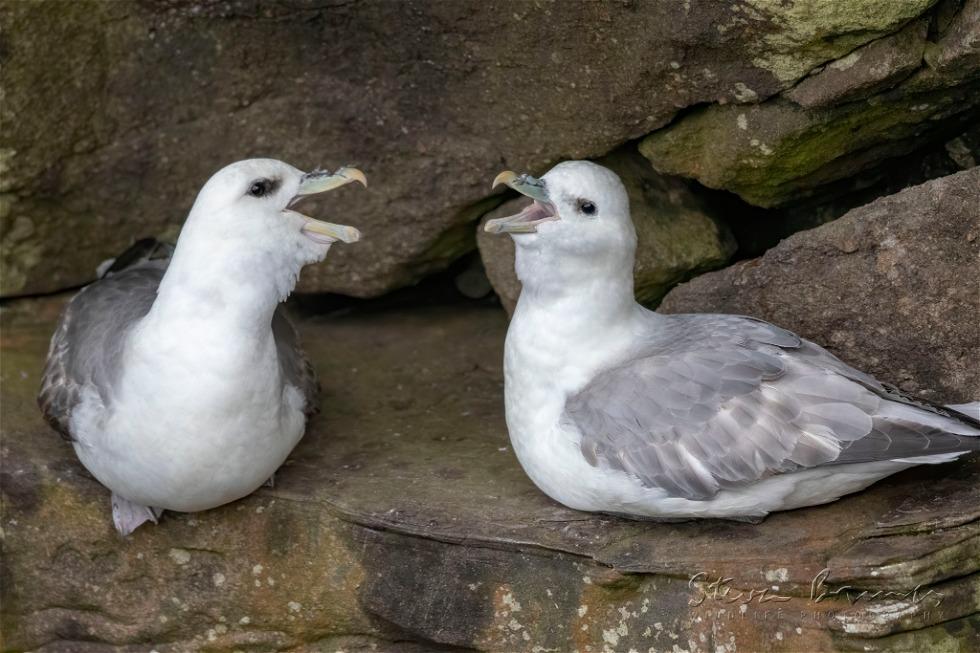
527, 221
321, 181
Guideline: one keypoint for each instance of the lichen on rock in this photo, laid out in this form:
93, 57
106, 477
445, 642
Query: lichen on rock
144, 101
879, 101
776, 152
865, 71
805, 34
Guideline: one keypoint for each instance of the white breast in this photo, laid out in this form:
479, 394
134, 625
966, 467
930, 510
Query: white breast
542, 367
199, 420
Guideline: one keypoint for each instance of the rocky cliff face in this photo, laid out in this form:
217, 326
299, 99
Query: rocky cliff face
403, 521
115, 113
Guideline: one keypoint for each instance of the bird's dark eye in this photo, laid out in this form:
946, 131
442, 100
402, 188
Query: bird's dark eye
586, 207
260, 188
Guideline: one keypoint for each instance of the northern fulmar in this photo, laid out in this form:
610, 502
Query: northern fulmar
615, 408
178, 379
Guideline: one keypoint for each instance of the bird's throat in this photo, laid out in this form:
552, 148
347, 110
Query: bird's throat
228, 292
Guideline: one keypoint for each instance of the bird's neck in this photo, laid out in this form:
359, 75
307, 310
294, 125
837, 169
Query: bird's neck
223, 285
582, 307
563, 320
559, 338
579, 296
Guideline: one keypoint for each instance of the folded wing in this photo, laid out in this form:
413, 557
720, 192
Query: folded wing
727, 400
87, 346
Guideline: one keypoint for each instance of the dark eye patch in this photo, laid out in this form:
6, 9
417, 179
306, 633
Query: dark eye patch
587, 207
262, 187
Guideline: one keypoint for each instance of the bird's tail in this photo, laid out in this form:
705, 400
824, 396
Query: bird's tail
968, 437
970, 409
143, 250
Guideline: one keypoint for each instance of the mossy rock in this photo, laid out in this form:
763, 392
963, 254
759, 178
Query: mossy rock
805, 33
776, 152
115, 113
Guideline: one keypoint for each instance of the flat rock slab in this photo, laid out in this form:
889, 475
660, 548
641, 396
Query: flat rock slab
403, 521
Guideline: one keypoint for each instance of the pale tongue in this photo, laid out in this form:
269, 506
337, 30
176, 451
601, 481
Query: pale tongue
536, 211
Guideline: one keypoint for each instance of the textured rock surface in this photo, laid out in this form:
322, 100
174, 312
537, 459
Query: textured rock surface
403, 522
957, 52
115, 112
677, 234
875, 66
779, 151
890, 287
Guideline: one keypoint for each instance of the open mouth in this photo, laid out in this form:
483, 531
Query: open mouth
297, 200
315, 183
525, 222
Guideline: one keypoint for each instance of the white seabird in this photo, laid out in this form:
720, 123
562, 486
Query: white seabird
618, 409
179, 382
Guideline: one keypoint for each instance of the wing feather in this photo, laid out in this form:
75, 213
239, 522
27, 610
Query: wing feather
729, 400
88, 341
89, 338
297, 370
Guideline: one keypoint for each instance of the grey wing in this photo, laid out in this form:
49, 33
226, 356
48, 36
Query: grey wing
297, 370
87, 344
727, 400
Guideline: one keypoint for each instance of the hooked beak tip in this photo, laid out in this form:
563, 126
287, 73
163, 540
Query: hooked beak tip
506, 177
354, 175
318, 181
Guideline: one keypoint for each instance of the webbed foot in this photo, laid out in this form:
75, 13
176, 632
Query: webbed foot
127, 516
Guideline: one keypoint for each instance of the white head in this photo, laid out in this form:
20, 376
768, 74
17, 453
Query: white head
577, 233
244, 224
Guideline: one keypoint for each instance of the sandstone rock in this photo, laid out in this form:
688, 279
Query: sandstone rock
805, 34
497, 254
757, 230
777, 152
889, 287
404, 523
869, 69
677, 234
116, 113
965, 148
958, 51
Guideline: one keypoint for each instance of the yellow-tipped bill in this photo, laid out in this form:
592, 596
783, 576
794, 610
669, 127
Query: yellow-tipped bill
506, 177
321, 181
523, 184
527, 221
